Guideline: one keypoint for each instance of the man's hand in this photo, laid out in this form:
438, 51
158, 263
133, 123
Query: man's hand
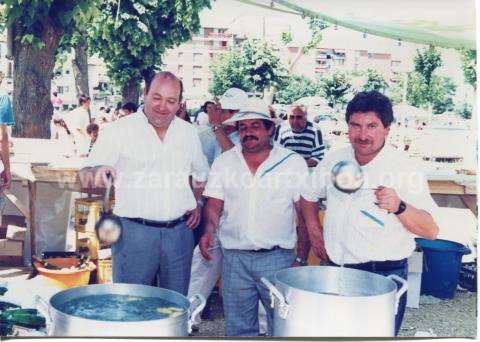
96, 176
194, 217
6, 179
205, 243
311, 162
387, 199
215, 114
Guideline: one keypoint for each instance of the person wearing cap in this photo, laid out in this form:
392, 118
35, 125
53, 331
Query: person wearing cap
301, 136
253, 194
215, 139
151, 155
374, 228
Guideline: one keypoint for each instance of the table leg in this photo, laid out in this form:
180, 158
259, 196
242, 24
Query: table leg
32, 195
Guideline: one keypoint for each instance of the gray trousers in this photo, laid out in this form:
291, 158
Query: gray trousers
143, 252
242, 288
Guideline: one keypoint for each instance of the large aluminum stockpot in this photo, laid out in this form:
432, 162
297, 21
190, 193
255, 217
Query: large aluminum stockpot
62, 324
333, 301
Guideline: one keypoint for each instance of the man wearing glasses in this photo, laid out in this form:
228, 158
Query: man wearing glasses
301, 136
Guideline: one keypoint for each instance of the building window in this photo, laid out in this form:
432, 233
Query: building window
67, 71
66, 89
197, 82
60, 89
180, 68
180, 55
197, 58
197, 70
395, 63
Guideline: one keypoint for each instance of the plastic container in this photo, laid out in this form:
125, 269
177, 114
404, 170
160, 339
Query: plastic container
70, 277
104, 271
442, 260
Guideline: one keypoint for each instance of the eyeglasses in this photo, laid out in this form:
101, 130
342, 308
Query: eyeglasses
297, 117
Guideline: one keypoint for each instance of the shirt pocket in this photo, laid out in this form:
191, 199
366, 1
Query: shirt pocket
370, 219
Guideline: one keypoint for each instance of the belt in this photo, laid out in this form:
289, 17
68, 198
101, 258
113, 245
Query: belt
261, 250
373, 266
158, 224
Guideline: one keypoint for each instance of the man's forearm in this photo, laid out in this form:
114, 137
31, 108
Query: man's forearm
5, 153
197, 188
419, 222
223, 139
303, 241
211, 213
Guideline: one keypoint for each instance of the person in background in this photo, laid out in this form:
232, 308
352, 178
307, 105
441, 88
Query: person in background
371, 230
6, 120
57, 102
202, 117
301, 136
128, 108
92, 131
77, 121
182, 112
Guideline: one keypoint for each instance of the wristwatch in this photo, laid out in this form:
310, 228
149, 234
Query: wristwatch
301, 261
401, 208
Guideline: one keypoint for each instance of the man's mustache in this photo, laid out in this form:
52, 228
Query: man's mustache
249, 137
360, 141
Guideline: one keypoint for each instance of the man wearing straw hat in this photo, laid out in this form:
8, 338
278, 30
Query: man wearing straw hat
253, 194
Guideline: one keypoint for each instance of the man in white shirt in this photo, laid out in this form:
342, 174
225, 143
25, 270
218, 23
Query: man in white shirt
370, 230
151, 155
253, 194
77, 121
215, 138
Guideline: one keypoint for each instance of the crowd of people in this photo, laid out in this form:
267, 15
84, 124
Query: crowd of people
246, 187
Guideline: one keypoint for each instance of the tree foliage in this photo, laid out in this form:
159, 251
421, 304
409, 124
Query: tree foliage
295, 88
252, 67
465, 110
133, 38
263, 66
469, 66
427, 90
230, 71
335, 88
375, 81
37, 26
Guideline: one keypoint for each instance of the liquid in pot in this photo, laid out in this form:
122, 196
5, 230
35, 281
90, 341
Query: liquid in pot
122, 308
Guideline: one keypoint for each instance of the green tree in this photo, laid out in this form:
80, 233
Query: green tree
254, 66
263, 66
375, 81
230, 71
295, 88
427, 90
132, 38
335, 88
465, 110
34, 30
469, 66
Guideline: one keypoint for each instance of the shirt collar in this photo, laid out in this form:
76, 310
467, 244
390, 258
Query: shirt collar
377, 160
141, 113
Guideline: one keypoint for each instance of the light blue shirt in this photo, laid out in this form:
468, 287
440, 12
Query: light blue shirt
6, 112
211, 148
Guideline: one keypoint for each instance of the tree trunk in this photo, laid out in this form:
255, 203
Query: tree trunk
33, 72
131, 91
80, 66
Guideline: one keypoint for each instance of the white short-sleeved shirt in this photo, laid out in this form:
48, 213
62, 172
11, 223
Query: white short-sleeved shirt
258, 210
152, 176
350, 234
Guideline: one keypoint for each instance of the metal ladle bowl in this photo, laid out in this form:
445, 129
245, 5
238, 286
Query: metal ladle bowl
109, 226
347, 176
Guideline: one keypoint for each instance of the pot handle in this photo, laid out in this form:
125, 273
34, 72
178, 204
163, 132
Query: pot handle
400, 291
44, 308
196, 311
283, 306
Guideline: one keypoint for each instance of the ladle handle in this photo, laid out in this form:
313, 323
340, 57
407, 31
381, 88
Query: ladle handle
108, 187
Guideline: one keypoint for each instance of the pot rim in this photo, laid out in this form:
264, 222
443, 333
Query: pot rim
65, 316
278, 281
